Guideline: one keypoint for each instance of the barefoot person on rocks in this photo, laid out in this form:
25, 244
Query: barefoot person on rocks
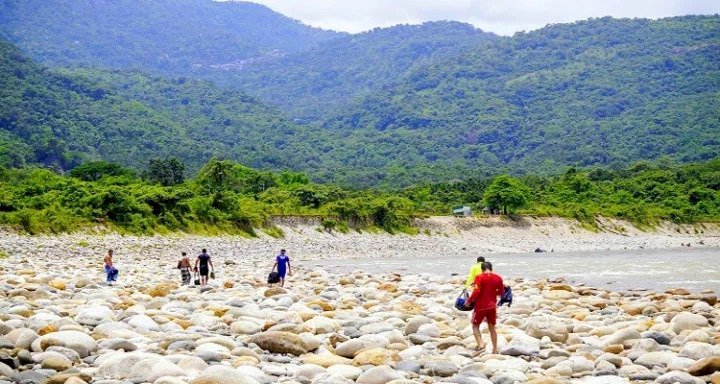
110, 271
184, 266
488, 286
282, 262
202, 262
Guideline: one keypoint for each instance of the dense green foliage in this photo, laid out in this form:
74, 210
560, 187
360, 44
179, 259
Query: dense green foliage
603, 91
224, 197
65, 117
391, 107
170, 36
644, 193
311, 84
229, 197
506, 194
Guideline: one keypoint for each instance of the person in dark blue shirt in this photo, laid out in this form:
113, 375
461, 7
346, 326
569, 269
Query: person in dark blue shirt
282, 262
202, 261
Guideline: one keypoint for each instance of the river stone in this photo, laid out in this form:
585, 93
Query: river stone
218, 374
244, 327
30, 377
58, 363
308, 371
600, 380
6, 370
705, 366
621, 336
521, 345
117, 344
696, 351
441, 368
680, 364
117, 365
675, 377
150, 370
652, 359
349, 348
94, 315
280, 342
143, 323
700, 336
346, 371
376, 356
430, 330
379, 375
22, 337
647, 345
508, 377
408, 366
660, 337
324, 360
687, 321
376, 328
414, 324
79, 342
329, 378
321, 325
539, 327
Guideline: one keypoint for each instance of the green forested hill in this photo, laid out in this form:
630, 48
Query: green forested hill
310, 84
395, 106
64, 117
169, 36
602, 91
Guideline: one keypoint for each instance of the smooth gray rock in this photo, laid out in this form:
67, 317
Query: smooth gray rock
408, 366
659, 337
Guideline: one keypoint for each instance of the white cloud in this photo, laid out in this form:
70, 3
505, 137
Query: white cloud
499, 16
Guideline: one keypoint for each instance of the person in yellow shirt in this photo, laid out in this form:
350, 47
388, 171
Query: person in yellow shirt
475, 270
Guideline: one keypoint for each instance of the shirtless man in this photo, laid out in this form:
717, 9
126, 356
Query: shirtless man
110, 270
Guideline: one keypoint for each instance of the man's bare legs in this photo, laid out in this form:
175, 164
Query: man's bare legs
493, 337
478, 337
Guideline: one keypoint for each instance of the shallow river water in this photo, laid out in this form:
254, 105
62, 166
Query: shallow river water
658, 269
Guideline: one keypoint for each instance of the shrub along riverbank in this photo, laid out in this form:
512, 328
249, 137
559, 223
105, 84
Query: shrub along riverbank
226, 197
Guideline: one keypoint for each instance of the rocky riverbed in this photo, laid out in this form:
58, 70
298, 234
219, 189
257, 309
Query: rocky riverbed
62, 324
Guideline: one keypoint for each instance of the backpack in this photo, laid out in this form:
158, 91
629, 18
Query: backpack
273, 278
506, 297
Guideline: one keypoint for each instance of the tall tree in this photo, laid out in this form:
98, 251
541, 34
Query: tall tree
506, 193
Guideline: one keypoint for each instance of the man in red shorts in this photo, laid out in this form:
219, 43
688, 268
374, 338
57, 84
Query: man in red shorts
488, 286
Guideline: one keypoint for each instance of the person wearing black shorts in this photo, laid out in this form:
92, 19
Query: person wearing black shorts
204, 264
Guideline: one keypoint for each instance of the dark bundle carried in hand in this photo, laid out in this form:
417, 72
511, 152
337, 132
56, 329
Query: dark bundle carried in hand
273, 278
506, 297
461, 300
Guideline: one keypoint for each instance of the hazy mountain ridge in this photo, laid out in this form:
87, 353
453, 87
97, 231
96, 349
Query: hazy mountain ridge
62, 118
398, 105
168, 36
309, 84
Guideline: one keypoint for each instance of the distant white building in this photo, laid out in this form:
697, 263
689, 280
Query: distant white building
462, 210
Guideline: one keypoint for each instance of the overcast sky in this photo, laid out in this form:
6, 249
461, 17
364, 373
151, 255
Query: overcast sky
500, 16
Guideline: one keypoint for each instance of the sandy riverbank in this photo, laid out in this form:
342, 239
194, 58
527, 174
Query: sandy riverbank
463, 237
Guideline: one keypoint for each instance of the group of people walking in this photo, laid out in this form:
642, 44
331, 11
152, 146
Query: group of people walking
486, 287
203, 268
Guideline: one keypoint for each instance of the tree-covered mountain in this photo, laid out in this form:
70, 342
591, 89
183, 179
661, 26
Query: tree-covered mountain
169, 36
310, 84
62, 118
398, 106
601, 91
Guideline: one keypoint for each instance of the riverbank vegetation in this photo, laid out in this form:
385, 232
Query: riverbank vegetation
226, 197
